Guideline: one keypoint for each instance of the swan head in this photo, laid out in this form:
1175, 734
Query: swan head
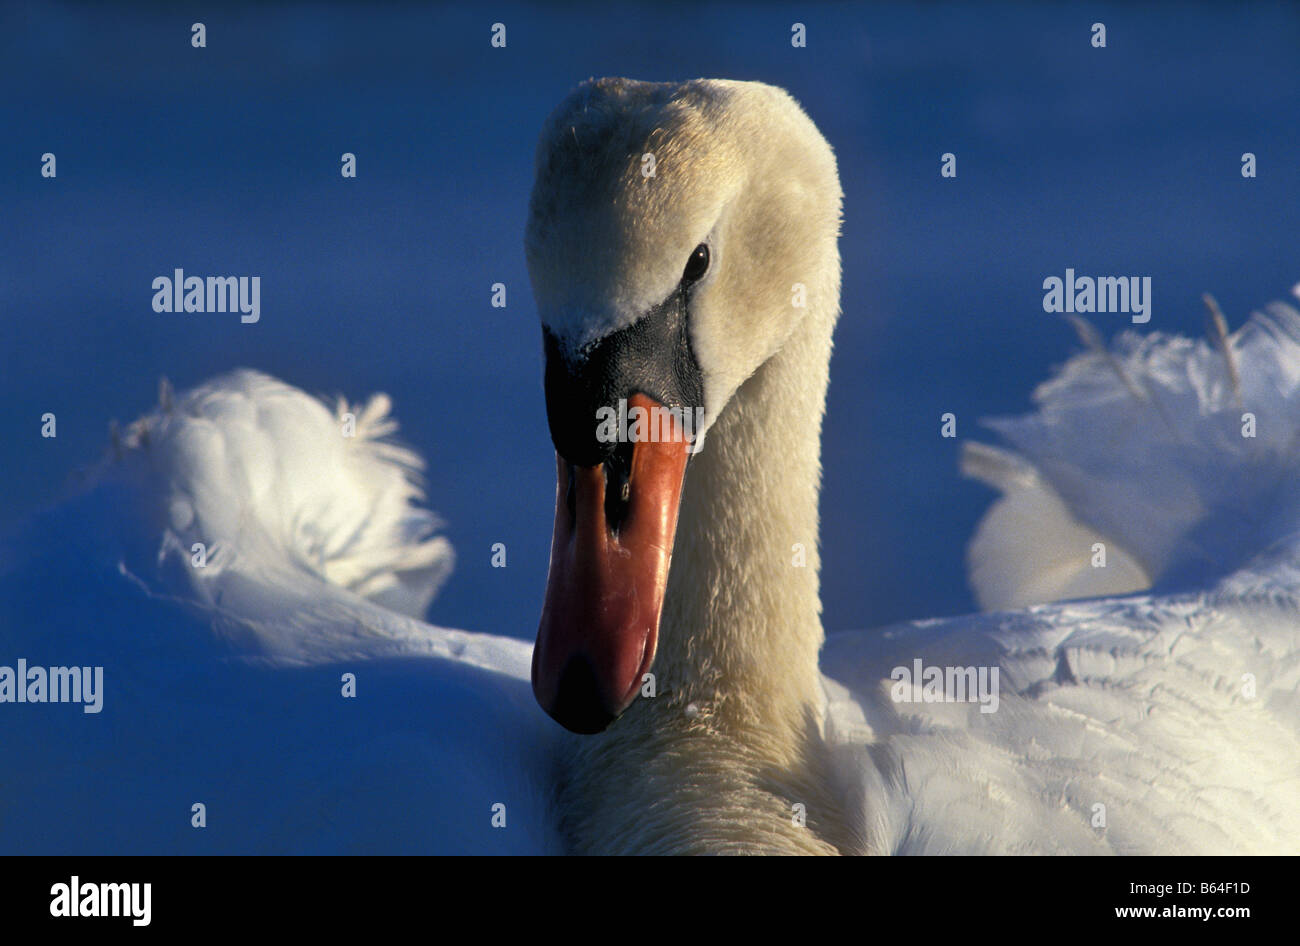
677, 235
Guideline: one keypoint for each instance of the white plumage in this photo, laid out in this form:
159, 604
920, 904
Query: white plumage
223, 683
288, 467
1179, 454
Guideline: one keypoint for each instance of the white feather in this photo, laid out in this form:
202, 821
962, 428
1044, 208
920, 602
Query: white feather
273, 483
1168, 481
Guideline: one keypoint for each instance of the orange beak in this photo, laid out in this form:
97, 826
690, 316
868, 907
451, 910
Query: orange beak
610, 554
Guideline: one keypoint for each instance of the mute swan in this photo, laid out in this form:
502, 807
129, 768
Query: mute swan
743, 179
1160, 722
714, 283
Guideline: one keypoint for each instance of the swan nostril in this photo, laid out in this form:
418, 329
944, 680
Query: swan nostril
578, 703
618, 485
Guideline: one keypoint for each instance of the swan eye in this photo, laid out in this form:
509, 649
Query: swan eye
697, 264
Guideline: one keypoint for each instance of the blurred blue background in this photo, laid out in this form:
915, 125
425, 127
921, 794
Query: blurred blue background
225, 160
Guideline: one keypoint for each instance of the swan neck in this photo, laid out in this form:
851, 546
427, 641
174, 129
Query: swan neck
742, 615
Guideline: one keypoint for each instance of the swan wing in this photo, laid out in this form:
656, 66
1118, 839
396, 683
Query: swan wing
1176, 457
1168, 721
1121, 726
283, 684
